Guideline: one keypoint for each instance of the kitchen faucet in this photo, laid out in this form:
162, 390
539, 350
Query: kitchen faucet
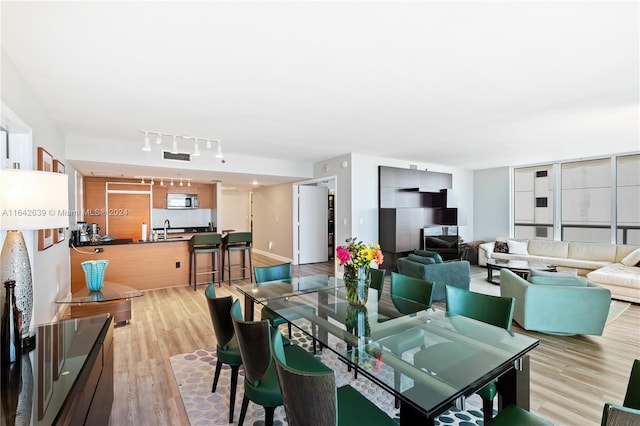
167, 224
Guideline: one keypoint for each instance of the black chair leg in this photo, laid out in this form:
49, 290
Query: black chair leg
268, 415
396, 383
243, 410
289, 325
487, 410
234, 385
216, 376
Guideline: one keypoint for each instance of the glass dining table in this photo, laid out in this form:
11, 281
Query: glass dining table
385, 339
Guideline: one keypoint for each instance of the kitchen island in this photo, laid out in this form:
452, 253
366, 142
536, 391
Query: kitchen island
142, 265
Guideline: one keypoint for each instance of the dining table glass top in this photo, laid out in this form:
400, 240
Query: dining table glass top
439, 358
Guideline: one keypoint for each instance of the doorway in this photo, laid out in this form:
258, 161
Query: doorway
312, 234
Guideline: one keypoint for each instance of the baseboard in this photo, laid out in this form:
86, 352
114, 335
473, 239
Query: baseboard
272, 256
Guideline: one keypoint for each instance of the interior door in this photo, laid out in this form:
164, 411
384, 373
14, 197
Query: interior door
313, 232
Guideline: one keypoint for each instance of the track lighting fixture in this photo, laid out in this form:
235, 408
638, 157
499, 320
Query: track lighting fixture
146, 146
152, 180
174, 146
174, 143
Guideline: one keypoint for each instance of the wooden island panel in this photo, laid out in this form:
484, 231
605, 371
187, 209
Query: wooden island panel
143, 266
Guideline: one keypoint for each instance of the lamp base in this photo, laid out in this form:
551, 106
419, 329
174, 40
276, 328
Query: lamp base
28, 343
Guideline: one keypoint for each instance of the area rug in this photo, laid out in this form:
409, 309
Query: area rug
616, 309
194, 376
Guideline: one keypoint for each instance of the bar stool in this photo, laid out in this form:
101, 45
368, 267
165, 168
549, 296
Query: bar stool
206, 243
237, 242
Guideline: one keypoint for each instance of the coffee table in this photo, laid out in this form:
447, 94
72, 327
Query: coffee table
518, 267
112, 298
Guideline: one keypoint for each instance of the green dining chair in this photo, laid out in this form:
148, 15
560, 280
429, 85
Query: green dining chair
404, 291
261, 385
410, 288
310, 396
494, 310
227, 349
265, 274
632, 396
514, 415
629, 412
377, 280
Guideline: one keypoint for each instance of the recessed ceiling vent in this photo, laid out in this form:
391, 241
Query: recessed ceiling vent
180, 156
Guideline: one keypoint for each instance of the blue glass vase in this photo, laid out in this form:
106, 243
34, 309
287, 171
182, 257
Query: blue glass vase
94, 273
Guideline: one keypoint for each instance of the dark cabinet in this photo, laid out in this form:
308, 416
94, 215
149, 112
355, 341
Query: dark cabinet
399, 232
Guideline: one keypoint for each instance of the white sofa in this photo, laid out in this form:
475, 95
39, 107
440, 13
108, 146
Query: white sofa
600, 263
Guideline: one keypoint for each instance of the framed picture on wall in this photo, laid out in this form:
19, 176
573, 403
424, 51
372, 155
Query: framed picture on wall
59, 233
45, 369
45, 164
45, 160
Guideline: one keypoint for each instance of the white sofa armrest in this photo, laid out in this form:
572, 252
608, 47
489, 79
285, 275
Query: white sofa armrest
484, 252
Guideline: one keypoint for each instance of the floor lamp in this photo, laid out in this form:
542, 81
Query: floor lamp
29, 200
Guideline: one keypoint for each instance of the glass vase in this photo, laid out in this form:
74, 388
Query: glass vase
357, 282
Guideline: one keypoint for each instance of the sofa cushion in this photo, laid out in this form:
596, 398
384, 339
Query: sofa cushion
568, 281
517, 247
592, 251
421, 259
618, 275
501, 247
548, 248
426, 253
564, 274
632, 259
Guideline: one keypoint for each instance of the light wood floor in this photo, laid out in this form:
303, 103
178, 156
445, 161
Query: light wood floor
571, 377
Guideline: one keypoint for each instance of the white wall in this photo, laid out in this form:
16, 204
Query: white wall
235, 211
492, 203
273, 220
51, 271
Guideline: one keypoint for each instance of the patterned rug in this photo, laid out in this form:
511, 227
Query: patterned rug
194, 375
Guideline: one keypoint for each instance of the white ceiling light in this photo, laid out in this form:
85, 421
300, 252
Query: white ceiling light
208, 143
174, 146
146, 146
159, 139
219, 152
196, 150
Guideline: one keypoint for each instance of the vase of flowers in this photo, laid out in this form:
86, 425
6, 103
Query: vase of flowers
357, 259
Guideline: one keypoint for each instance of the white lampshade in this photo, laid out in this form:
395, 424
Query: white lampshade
31, 199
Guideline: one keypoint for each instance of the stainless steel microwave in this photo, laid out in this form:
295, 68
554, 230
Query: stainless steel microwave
182, 201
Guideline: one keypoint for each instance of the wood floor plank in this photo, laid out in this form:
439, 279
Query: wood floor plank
571, 377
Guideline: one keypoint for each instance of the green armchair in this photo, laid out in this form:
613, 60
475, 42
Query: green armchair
428, 266
557, 309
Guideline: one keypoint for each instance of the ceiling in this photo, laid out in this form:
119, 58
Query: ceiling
465, 84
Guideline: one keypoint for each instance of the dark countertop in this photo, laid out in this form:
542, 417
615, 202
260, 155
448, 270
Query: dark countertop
184, 230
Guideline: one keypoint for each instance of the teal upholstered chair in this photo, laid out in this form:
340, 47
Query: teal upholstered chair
227, 349
377, 280
494, 310
311, 398
428, 266
562, 308
261, 384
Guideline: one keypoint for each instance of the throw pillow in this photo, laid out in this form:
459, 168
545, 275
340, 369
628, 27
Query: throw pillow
542, 280
571, 273
432, 254
421, 259
501, 247
632, 259
517, 247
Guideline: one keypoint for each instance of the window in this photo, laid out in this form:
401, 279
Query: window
594, 197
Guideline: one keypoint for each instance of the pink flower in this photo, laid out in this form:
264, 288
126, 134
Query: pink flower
343, 255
